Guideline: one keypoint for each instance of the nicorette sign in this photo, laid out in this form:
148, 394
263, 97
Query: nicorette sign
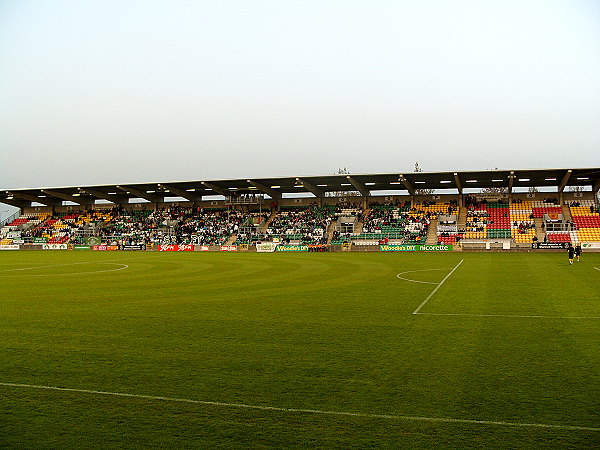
292, 248
415, 248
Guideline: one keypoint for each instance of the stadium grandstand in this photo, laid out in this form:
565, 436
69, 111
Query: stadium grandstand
501, 209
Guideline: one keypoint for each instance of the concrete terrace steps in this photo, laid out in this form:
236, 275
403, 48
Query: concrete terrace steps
263, 228
566, 211
432, 232
462, 218
330, 230
540, 233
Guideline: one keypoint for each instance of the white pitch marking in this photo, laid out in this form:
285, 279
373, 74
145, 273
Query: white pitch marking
125, 266
309, 411
46, 267
596, 268
506, 315
71, 264
438, 286
417, 281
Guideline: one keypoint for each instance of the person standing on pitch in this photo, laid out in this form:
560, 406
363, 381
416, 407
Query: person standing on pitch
571, 252
578, 252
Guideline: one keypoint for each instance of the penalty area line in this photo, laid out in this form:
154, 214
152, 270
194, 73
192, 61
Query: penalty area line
507, 315
416, 311
310, 411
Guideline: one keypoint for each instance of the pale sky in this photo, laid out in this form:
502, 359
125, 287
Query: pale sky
102, 92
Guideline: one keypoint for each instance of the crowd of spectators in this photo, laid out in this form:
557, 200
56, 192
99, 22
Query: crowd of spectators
211, 227
122, 226
523, 227
390, 220
65, 227
308, 225
382, 218
192, 224
173, 225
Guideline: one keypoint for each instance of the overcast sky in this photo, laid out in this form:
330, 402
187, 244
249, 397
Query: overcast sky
99, 92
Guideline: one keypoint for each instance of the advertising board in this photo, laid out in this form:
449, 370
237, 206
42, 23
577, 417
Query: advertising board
549, 245
175, 248
590, 245
292, 248
266, 247
104, 248
9, 247
132, 247
229, 248
415, 248
54, 246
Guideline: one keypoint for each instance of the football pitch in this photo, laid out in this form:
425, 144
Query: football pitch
234, 350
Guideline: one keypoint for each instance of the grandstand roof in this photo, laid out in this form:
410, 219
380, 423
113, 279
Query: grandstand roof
367, 184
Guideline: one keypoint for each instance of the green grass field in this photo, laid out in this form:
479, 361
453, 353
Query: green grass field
507, 348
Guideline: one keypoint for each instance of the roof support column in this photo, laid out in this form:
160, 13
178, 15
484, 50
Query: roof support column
191, 196
408, 185
67, 197
32, 198
224, 192
563, 184
359, 186
511, 180
317, 192
265, 189
460, 190
116, 199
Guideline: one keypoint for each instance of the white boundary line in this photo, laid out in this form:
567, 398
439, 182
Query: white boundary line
125, 266
416, 281
517, 316
416, 311
309, 411
505, 315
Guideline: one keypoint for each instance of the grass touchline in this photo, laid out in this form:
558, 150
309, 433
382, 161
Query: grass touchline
303, 410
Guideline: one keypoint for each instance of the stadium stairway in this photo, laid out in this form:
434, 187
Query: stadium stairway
462, 219
566, 211
540, 233
330, 231
432, 238
358, 226
265, 226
